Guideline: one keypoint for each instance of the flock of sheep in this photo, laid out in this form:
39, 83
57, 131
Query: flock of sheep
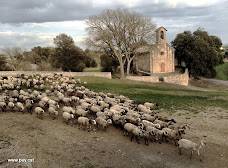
60, 95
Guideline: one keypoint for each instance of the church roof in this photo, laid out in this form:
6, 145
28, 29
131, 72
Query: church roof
160, 28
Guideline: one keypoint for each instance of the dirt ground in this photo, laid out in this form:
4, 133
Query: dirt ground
53, 144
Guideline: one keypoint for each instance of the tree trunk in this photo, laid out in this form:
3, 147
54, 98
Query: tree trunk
128, 67
122, 69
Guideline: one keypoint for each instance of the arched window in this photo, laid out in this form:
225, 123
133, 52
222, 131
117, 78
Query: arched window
162, 35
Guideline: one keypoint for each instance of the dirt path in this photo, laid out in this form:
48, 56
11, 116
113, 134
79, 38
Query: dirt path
215, 81
52, 143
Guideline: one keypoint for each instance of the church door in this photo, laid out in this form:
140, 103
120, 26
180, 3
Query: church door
162, 67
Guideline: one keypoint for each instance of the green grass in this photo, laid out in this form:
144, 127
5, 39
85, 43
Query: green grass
222, 71
94, 70
170, 97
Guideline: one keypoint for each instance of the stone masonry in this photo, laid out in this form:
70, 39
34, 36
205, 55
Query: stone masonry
157, 58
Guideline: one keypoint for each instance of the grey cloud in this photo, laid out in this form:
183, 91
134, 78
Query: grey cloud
27, 11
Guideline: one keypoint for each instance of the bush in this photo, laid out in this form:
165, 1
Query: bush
222, 71
81, 66
93, 63
109, 63
3, 66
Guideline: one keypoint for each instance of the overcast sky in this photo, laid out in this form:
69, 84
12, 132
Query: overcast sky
29, 23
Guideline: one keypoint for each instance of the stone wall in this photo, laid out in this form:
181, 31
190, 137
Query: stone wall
178, 79
153, 79
97, 74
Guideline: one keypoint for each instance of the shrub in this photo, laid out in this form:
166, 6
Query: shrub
222, 71
93, 63
109, 63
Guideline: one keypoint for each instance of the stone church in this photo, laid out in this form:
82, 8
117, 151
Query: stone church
156, 58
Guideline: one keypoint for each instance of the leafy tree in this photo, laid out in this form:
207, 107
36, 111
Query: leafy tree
66, 55
226, 55
109, 62
121, 31
200, 52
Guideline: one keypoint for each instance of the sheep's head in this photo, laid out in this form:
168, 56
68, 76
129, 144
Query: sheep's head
158, 126
109, 121
203, 143
181, 131
56, 112
152, 133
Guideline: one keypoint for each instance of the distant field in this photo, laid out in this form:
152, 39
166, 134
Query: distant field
222, 71
169, 97
92, 70
95, 70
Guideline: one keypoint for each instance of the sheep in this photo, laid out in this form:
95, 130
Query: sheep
67, 100
128, 128
81, 112
137, 132
162, 123
133, 120
187, 144
86, 122
94, 109
11, 105
148, 123
39, 112
103, 123
151, 106
28, 105
3, 106
149, 117
68, 109
45, 99
53, 102
147, 135
52, 111
68, 117
174, 135
20, 106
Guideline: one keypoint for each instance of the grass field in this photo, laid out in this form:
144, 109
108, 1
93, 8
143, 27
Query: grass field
170, 97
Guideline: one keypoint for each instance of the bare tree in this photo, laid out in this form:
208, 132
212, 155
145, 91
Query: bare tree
121, 31
14, 56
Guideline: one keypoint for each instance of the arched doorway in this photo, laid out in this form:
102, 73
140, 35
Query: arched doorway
162, 67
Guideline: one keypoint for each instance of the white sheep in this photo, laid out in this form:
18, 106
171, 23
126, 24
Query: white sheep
68, 117
20, 106
150, 124
69, 109
3, 106
137, 132
84, 121
187, 144
152, 106
39, 112
11, 105
81, 112
128, 128
103, 123
52, 112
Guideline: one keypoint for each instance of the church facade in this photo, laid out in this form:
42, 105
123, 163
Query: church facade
158, 58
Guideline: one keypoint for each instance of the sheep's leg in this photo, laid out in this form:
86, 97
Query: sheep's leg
137, 139
105, 128
132, 137
146, 142
179, 151
191, 154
